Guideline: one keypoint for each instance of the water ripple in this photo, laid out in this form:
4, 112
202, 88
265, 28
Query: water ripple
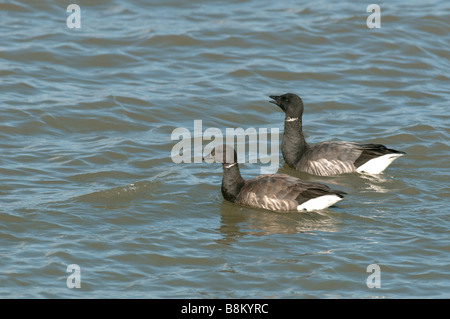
86, 123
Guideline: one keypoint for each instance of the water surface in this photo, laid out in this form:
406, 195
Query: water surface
86, 117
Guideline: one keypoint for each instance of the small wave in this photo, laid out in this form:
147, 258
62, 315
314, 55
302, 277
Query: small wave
13, 7
118, 194
172, 40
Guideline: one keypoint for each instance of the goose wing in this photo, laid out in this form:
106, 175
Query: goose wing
281, 192
340, 157
330, 158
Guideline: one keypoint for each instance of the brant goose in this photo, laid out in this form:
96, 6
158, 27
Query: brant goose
278, 192
327, 158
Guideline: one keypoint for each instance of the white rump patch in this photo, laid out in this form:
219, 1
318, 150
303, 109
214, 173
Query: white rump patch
377, 165
319, 203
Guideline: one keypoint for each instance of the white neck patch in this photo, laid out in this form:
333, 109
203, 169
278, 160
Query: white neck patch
291, 119
230, 165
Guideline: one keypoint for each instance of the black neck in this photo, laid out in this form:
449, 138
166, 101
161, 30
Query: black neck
232, 182
293, 145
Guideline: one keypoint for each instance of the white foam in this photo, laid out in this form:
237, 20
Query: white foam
377, 165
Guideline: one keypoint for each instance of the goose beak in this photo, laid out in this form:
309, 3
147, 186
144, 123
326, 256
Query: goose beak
275, 99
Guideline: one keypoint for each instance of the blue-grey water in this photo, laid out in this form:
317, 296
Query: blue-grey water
87, 176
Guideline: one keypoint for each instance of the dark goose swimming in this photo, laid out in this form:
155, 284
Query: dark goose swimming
327, 158
277, 192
